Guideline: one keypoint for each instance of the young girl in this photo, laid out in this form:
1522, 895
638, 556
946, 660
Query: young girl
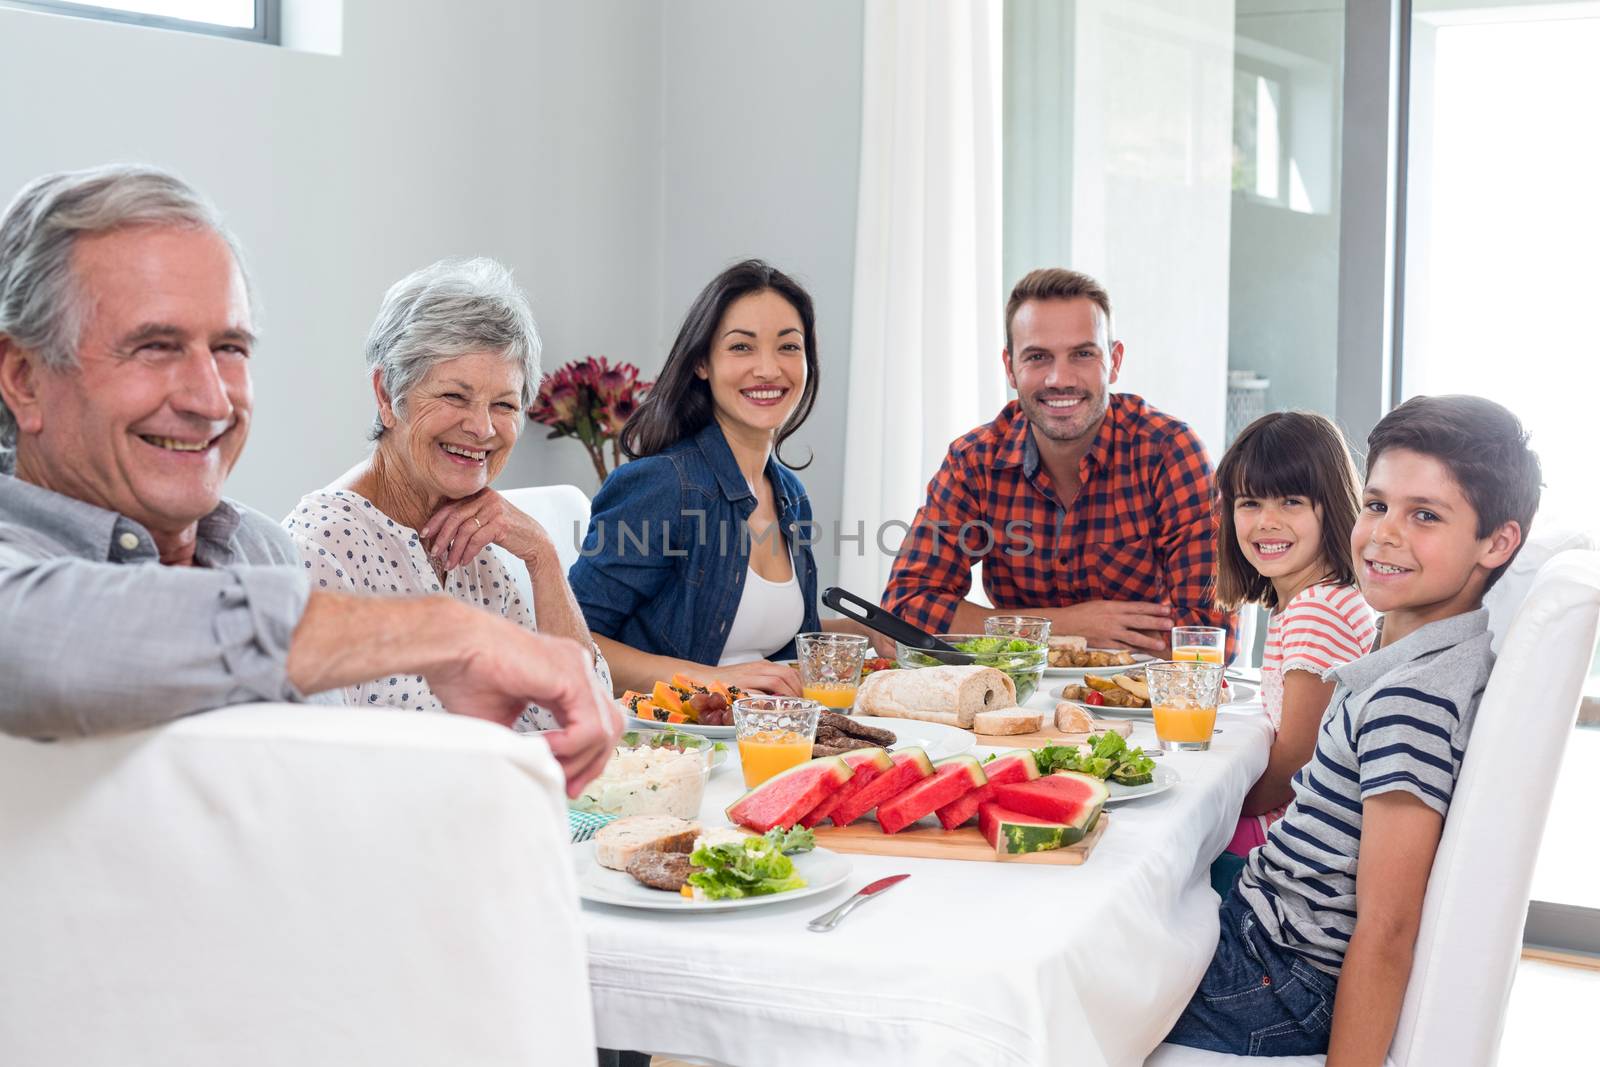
1289, 500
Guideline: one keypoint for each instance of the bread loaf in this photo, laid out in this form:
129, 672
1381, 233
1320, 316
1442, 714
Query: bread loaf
946, 694
1007, 721
618, 842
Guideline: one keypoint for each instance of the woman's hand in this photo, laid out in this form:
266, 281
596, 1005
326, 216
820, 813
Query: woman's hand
461, 529
762, 676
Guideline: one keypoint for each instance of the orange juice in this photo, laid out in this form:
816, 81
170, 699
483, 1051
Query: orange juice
835, 695
1197, 654
1187, 726
769, 752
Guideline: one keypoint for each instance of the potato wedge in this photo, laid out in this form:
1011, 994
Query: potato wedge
1103, 684
1136, 686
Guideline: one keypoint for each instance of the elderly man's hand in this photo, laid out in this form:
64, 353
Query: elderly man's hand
506, 668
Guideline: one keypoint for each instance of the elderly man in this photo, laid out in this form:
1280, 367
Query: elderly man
132, 593
1087, 507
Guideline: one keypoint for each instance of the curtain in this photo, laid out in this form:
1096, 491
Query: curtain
928, 309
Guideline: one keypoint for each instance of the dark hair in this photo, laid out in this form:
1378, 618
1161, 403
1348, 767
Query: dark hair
1485, 449
1057, 283
679, 405
1287, 453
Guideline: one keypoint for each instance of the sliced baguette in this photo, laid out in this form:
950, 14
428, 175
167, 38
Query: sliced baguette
1073, 719
1003, 721
618, 842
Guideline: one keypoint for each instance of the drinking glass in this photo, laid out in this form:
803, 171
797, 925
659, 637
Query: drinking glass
1200, 644
1028, 627
1183, 700
830, 667
775, 733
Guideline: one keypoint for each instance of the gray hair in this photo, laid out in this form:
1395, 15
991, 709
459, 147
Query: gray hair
453, 308
41, 306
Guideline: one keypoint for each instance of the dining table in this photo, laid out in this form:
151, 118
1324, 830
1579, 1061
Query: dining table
964, 962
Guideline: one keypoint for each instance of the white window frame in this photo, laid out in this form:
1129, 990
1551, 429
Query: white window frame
265, 30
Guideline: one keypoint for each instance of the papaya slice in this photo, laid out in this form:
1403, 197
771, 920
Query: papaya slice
665, 696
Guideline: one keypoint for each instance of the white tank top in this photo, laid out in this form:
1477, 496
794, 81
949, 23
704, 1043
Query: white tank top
769, 615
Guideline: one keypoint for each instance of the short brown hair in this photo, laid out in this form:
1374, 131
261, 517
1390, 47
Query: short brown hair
1286, 453
1485, 449
1057, 283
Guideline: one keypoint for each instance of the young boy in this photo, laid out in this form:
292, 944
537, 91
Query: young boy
1315, 947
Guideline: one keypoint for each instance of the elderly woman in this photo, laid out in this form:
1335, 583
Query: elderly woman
454, 359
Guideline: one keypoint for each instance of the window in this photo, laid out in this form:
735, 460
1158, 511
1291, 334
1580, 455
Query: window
251, 20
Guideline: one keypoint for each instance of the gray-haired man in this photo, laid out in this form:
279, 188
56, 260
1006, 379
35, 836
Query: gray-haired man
132, 593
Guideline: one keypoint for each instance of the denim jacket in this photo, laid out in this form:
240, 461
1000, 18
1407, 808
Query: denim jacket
663, 564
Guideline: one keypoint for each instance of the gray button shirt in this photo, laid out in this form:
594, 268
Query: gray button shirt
97, 636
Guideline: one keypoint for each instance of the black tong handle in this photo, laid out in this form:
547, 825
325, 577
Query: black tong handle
890, 625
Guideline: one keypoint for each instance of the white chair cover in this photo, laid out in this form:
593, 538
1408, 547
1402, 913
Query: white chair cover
289, 884
563, 510
1477, 900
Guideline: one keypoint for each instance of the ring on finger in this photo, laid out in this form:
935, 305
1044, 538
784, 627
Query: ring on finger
478, 521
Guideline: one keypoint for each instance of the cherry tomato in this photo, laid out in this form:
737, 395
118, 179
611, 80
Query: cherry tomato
1094, 698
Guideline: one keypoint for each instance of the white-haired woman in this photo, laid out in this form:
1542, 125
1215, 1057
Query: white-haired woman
454, 359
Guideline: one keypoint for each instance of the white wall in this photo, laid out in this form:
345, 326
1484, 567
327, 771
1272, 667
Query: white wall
443, 129
761, 132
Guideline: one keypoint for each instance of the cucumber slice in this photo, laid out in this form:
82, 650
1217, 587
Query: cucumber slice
1125, 775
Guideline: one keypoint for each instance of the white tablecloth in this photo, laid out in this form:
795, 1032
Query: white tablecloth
962, 963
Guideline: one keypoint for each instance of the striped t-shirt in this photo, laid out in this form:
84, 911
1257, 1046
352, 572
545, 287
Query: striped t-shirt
1398, 720
1318, 629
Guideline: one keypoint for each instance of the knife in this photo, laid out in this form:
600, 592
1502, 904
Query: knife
827, 921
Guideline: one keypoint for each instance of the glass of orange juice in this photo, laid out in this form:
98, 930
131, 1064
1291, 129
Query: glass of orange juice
775, 733
1183, 701
830, 667
1199, 644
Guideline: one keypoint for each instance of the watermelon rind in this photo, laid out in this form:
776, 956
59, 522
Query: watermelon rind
953, 777
1003, 769
865, 765
1016, 834
782, 799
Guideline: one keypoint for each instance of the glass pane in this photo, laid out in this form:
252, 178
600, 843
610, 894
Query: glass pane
1502, 218
237, 14
1284, 261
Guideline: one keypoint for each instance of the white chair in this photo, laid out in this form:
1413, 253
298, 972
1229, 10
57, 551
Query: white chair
1477, 899
289, 884
1512, 588
563, 511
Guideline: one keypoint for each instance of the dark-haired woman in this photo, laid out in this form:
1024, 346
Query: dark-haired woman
697, 559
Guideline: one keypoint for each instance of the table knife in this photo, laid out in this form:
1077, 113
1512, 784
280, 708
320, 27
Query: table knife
827, 921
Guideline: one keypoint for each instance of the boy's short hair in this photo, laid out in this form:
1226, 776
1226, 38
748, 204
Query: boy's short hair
1058, 283
1485, 448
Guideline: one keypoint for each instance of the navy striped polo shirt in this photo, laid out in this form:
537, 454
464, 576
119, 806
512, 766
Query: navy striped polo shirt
1398, 719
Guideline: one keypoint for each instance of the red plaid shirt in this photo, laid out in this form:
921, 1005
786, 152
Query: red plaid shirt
1141, 527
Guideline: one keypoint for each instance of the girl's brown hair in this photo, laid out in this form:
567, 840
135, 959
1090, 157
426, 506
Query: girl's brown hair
1286, 453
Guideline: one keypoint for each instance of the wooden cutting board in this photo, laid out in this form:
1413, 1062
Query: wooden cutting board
1047, 734
934, 843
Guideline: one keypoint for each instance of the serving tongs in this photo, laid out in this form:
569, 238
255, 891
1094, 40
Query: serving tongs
892, 626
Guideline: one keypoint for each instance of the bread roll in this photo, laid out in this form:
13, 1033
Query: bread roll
618, 842
1007, 721
950, 695
1073, 719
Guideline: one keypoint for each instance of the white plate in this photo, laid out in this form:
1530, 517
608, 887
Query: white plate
1079, 672
720, 733
821, 869
1240, 694
936, 739
1165, 778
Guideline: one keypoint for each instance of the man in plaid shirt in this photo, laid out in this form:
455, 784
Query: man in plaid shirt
1087, 507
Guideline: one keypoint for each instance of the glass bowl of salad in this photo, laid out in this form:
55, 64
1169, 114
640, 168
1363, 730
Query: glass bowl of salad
1022, 659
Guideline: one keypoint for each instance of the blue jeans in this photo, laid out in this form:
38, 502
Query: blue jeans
1256, 999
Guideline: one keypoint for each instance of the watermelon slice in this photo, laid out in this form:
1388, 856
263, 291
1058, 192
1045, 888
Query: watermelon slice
1064, 798
910, 764
867, 764
782, 799
1017, 765
1015, 834
951, 778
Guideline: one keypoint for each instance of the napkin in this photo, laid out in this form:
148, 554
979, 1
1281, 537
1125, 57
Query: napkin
583, 824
